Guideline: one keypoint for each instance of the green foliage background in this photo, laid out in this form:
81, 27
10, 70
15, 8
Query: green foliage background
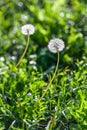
64, 106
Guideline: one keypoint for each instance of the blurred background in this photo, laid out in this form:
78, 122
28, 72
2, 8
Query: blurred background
65, 19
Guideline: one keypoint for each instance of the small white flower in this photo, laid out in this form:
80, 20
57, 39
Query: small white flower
24, 18
56, 45
2, 59
28, 29
32, 62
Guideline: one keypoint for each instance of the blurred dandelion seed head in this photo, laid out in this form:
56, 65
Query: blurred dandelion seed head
24, 18
56, 45
28, 29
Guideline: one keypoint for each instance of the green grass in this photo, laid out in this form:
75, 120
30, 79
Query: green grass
65, 102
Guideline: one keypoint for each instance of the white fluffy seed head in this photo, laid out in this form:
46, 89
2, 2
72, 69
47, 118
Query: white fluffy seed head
56, 45
28, 29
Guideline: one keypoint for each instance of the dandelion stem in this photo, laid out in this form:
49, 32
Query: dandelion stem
23, 53
49, 84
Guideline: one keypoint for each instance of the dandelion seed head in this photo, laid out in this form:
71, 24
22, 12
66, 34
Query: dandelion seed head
24, 18
20, 4
28, 29
32, 62
56, 45
2, 59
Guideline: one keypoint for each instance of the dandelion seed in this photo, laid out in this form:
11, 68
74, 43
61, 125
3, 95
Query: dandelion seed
56, 45
28, 29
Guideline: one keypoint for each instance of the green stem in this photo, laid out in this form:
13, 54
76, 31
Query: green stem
23, 53
48, 86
